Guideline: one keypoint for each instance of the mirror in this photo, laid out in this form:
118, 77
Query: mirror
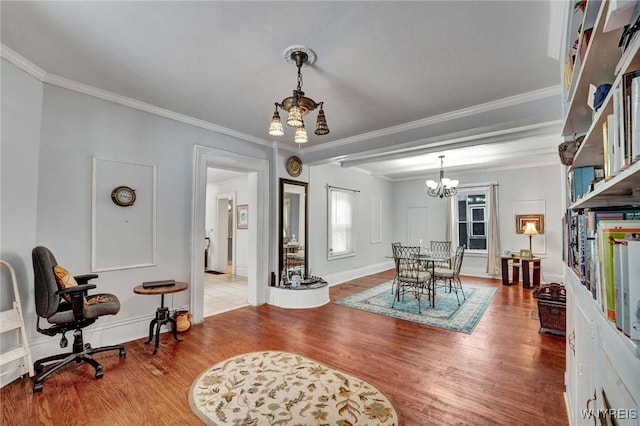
293, 230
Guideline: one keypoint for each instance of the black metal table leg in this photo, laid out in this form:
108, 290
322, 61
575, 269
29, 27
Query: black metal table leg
162, 317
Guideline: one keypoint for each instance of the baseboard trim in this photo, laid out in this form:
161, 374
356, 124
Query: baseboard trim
352, 274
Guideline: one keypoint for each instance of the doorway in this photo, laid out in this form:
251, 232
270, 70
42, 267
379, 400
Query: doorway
257, 233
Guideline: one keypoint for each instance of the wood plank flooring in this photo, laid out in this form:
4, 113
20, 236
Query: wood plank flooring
505, 373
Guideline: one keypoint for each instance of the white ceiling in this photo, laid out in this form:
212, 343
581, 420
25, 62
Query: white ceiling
422, 78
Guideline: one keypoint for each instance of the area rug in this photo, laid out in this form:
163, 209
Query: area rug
281, 388
214, 272
446, 314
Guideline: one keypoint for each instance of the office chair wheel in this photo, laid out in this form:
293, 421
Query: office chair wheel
37, 387
122, 352
64, 342
99, 372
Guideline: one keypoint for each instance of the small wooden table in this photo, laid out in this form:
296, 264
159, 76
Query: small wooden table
516, 261
162, 313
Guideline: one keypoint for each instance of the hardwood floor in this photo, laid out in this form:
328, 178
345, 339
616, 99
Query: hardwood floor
505, 373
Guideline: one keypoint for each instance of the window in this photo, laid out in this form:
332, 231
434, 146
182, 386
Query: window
340, 223
471, 218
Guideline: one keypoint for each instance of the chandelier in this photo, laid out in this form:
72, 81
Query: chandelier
298, 105
445, 187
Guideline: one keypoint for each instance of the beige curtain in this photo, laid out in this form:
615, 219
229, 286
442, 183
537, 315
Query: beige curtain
493, 244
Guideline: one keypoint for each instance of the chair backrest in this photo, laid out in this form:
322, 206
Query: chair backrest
406, 257
46, 287
393, 247
441, 246
457, 263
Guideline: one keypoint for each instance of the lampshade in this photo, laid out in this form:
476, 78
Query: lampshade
301, 135
530, 229
321, 123
276, 129
295, 117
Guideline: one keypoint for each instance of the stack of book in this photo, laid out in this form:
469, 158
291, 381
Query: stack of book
613, 265
621, 130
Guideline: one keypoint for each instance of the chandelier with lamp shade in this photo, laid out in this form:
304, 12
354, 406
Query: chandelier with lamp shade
298, 105
445, 187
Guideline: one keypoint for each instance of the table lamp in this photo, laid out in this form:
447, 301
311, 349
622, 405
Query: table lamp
530, 230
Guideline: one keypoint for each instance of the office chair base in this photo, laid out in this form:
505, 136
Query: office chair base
68, 358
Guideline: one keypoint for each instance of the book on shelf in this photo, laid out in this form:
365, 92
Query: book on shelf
587, 240
633, 254
609, 232
620, 278
605, 149
627, 133
635, 119
616, 133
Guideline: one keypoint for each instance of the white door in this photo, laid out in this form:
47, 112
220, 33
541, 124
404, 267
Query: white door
417, 229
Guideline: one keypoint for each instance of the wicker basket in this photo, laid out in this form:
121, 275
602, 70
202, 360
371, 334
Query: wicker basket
551, 308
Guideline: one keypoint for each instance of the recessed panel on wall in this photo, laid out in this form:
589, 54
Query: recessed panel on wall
123, 226
375, 207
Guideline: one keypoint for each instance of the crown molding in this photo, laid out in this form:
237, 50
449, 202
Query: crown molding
54, 80
152, 109
463, 139
22, 62
448, 116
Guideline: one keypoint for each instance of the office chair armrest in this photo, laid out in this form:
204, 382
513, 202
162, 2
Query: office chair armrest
83, 279
82, 288
78, 298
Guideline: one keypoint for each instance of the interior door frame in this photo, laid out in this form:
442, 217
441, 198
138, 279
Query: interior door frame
258, 232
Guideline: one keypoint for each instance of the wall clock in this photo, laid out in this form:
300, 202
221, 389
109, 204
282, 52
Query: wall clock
294, 166
123, 196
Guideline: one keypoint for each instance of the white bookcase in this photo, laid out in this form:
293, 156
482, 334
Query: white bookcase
603, 365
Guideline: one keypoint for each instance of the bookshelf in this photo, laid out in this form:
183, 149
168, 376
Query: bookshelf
603, 364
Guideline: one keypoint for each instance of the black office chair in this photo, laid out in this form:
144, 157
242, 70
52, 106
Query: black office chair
68, 309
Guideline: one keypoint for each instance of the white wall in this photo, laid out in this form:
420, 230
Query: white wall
49, 136
370, 257
21, 117
515, 185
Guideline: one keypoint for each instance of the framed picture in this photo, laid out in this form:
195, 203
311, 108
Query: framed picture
523, 219
242, 216
525, 253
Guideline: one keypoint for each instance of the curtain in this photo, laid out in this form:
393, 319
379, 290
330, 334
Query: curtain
493, 245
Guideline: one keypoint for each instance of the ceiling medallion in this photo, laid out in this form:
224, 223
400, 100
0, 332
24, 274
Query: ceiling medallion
294, 166
298, 105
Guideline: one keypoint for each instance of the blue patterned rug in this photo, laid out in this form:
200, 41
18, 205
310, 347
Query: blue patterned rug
447, 314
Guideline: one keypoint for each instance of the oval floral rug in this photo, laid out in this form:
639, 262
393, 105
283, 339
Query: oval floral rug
281, 388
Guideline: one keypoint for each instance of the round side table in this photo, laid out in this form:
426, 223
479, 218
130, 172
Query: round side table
162, 313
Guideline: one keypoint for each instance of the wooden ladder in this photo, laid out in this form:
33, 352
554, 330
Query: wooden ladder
12, 320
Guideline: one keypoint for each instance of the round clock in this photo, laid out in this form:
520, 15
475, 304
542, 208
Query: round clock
123, 196
294, 166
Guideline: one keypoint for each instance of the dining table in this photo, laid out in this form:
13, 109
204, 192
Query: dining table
429, 259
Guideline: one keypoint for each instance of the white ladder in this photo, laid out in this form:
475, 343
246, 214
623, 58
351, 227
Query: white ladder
12, 320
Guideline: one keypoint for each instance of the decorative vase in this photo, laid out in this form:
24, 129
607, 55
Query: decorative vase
183, 320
